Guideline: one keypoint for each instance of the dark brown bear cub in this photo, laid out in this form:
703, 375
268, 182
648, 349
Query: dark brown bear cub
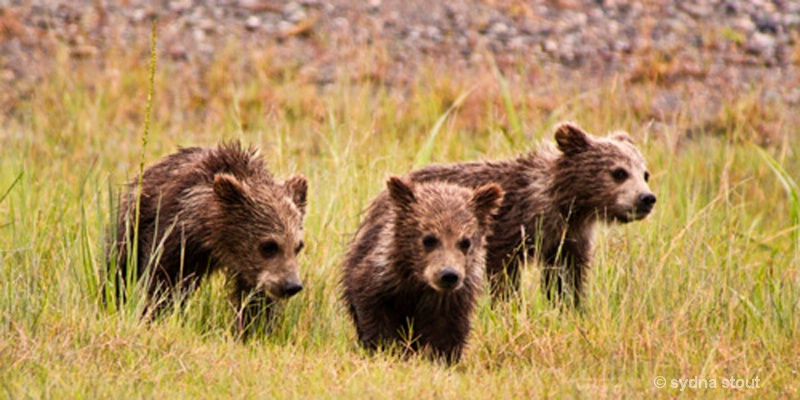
206, 209
416, 265
553, 198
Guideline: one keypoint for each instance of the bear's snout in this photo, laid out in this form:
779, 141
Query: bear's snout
290, 288
645, 202
448, 279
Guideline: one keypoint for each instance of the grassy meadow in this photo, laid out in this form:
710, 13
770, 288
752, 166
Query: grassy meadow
706, 287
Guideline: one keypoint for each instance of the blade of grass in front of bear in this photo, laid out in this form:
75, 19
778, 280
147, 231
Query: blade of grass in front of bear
134, 248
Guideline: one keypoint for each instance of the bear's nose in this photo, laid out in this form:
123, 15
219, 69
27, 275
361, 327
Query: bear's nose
448, 278
646, 201
291, 288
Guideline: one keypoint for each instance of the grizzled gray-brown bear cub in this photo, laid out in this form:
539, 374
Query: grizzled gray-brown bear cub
205, 209
553, 198
416, 265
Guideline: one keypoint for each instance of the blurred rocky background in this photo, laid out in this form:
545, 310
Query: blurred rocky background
711, 49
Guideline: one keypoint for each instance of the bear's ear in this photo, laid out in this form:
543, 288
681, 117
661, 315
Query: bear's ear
401, 192
297, 186
621, 136
228, 188
486, 200
571, 139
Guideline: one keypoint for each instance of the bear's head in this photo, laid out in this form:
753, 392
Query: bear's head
606, 177
261, 232
440, 230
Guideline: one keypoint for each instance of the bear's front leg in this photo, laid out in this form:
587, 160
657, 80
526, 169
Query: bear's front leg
565, 271
503, 273
254, 312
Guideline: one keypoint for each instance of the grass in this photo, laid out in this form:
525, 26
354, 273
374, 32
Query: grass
706, 287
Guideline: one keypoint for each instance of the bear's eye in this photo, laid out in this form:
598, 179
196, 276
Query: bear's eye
464, 244
299, 247
619, 174
430, 242
646, 176
269, 249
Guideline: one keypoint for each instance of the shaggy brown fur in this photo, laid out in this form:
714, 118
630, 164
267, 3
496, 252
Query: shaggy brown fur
553, 198
416, 265
203, 209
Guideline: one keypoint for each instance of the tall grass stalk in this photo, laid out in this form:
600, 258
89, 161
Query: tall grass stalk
511, 112
132, 254
424, 154
11, 186
792, 192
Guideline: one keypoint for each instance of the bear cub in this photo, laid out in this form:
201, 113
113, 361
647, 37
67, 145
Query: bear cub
416, 266
209, 209
554, 196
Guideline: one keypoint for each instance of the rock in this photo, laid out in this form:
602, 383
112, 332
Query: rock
285, 27
517, 43
696, 9
373, 6
7, 75
294, 12
744, 25
550, 46
433, 33
498, 28
138, 15
180, 6
252, 23
199, 35
794, 96
761, 44
768, 24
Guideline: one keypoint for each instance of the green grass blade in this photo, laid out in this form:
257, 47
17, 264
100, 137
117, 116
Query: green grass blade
790, 186
132, 255
424, 154
505, 93
11, 187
